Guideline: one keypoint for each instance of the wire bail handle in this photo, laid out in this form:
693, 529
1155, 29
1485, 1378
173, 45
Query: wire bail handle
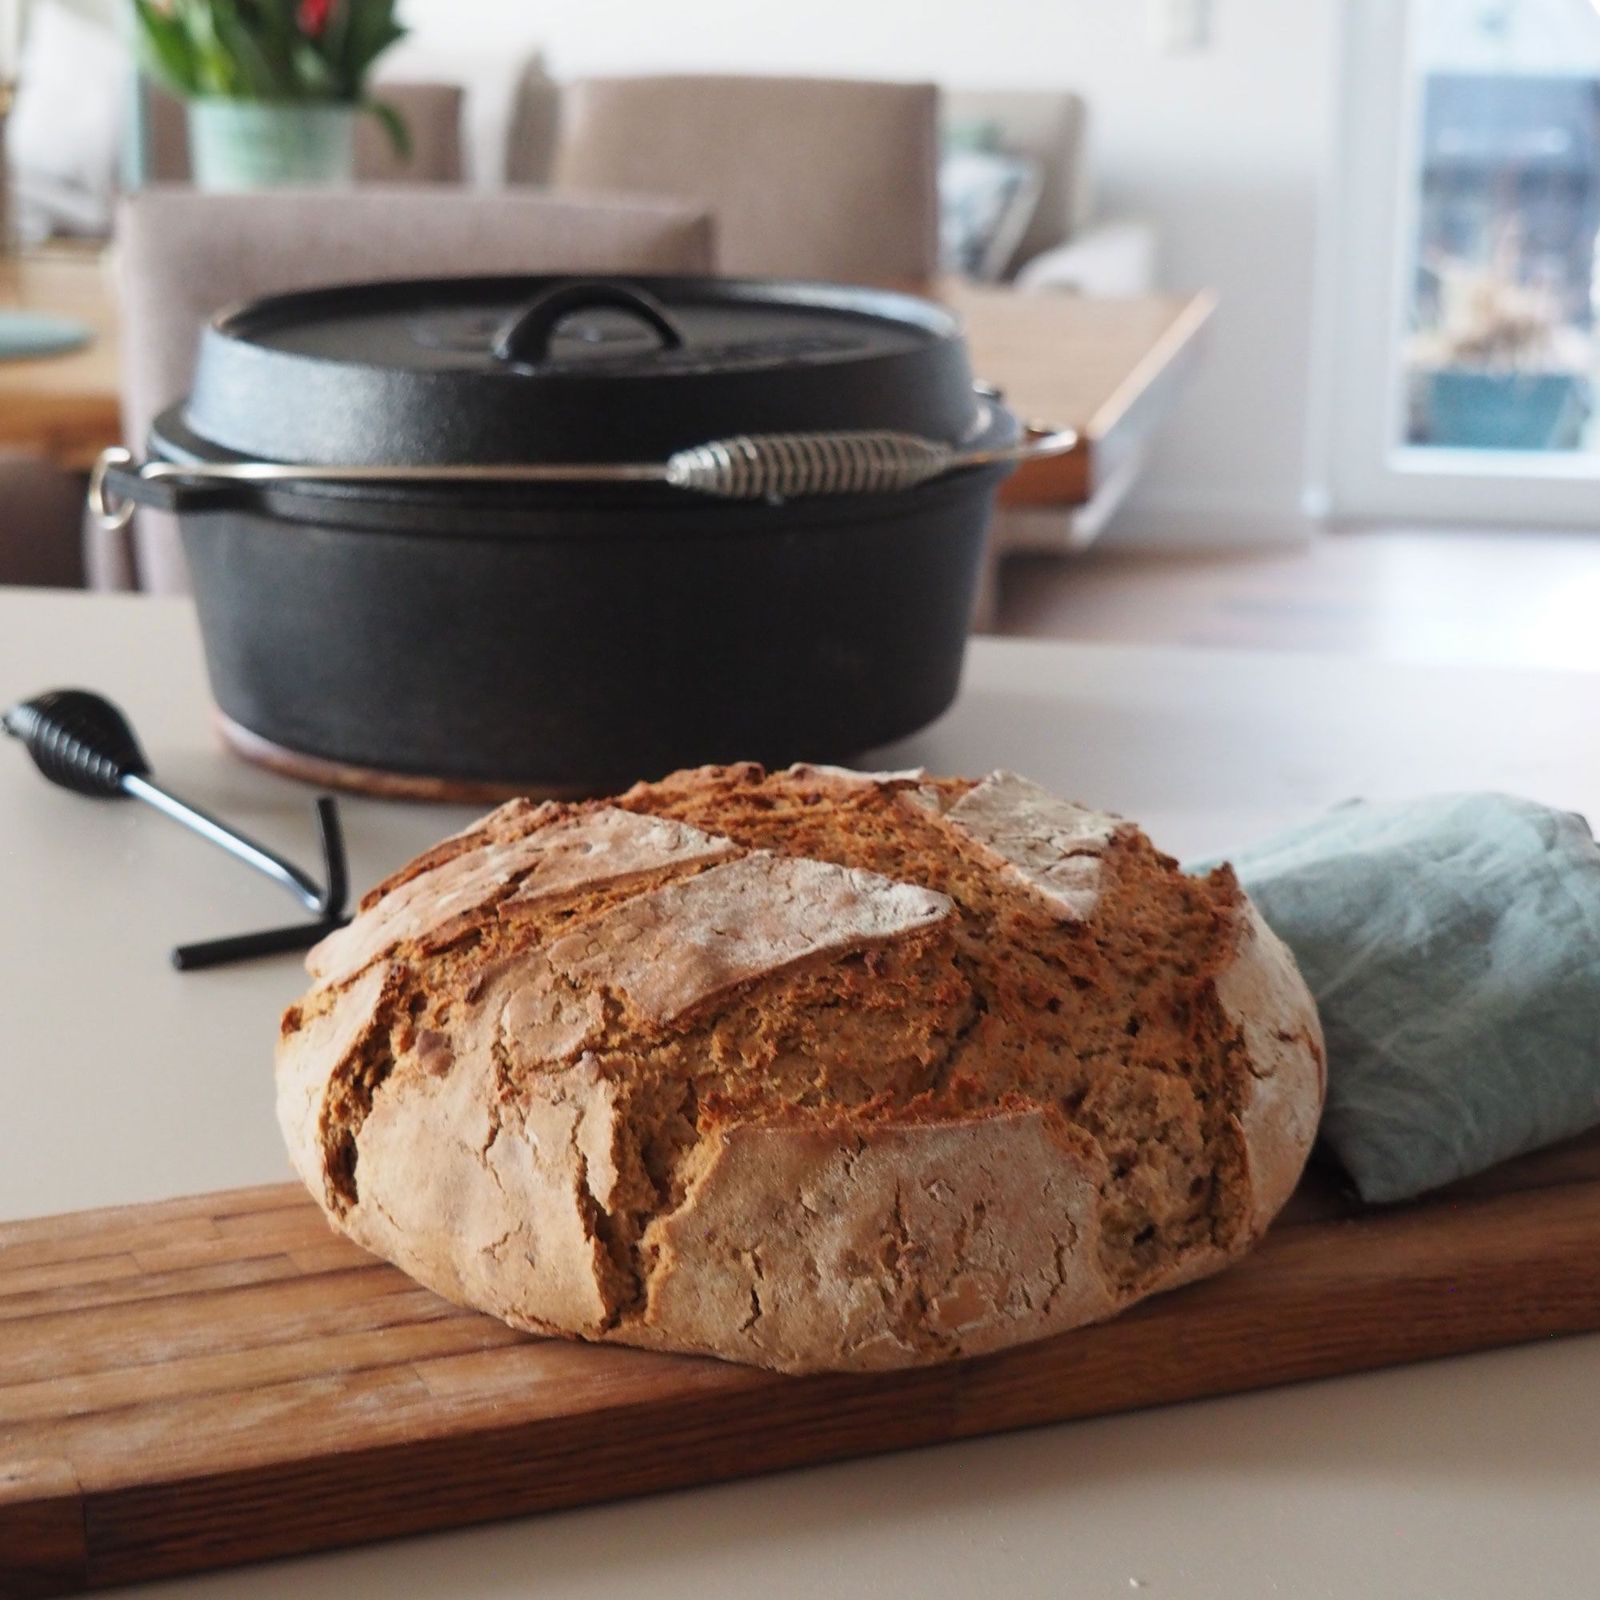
111, 515
771, 466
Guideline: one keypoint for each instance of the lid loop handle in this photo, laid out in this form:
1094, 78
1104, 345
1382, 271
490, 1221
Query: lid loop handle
525, 337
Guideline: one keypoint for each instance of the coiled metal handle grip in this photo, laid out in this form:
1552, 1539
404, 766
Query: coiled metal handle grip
787, 465
79, 741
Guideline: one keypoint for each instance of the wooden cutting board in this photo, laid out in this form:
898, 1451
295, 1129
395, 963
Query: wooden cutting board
220, 1379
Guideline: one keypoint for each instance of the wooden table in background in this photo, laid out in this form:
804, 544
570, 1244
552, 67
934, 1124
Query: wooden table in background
64, 408
1109, 368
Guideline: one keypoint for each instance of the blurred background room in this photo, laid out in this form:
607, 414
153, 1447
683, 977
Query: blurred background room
1315, 283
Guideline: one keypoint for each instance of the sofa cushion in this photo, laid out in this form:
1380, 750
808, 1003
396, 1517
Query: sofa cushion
1049, 127
987, 198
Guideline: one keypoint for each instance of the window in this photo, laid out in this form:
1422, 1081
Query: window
1465, 337
1498, 350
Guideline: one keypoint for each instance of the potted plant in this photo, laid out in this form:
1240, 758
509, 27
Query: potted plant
273, 86
1501, 367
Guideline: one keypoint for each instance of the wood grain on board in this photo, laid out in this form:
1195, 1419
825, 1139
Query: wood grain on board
214, 1380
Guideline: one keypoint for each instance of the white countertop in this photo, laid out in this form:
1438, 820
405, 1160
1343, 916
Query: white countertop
124, 1080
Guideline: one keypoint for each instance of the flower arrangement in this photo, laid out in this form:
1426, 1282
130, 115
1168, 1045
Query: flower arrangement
1491, 313
282, 52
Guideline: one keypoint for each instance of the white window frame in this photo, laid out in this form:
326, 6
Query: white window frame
1368, 264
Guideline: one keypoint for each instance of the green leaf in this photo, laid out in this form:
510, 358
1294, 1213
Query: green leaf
165, 50
335, 44
315, 76
217, 72
277, 24
261, 77
254, 49
393, 124
372, 30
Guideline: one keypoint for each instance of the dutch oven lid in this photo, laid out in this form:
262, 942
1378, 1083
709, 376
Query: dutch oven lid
544, 369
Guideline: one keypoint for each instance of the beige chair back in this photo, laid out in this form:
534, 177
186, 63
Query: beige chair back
432, 113
41, 507
183, 256
41, 512
533, 127
807, 177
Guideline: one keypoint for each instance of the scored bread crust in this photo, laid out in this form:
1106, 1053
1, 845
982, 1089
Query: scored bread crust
517, 1147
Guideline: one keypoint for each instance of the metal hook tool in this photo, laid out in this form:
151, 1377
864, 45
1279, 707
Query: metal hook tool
84, 743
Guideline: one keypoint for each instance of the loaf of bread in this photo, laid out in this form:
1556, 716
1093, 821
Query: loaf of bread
815, 1069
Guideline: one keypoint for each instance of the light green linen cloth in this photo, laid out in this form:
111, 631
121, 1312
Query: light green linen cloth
1453, 946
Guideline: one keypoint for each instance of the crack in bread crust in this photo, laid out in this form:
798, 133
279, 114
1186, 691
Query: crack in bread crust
814, 1069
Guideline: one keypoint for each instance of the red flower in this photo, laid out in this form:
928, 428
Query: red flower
313, 17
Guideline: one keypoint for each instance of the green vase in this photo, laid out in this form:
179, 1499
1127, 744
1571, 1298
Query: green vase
258, 144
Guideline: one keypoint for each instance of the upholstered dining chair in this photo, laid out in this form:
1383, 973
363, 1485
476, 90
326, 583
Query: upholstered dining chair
40, 510
5, 171
432, 113
39, 504
807, 177
182, 256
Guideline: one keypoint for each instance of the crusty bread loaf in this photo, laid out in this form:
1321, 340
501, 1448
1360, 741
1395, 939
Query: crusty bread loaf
815, 1069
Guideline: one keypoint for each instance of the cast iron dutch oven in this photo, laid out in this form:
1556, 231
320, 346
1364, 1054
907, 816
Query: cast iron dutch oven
550, 534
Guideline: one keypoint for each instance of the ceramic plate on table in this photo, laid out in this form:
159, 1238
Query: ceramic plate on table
25, 334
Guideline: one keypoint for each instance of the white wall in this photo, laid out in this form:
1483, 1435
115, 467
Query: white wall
1227, 148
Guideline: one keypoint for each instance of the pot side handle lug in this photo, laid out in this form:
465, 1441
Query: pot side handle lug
119, 484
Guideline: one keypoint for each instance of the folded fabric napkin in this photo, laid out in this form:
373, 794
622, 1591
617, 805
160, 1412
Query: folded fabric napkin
1453, 946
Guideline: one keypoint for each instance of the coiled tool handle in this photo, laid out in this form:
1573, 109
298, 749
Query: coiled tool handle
78, 740
82, 742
